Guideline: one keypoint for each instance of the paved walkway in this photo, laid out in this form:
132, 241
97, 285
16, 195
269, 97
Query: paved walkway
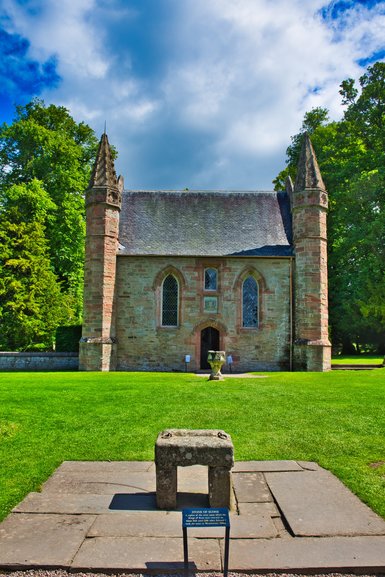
234, 375
101, 516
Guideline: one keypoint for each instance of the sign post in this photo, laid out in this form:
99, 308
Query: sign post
214, 517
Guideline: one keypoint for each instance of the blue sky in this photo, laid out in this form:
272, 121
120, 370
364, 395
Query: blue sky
195, 93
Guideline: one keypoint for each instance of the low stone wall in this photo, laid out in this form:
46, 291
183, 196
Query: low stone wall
39, 361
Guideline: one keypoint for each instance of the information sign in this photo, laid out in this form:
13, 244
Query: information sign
213, 517
206, 517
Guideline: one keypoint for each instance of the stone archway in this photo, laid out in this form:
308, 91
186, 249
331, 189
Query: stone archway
210, 339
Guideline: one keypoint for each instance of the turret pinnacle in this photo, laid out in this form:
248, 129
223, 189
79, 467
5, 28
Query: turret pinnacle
289, 185
308, 172
103, 173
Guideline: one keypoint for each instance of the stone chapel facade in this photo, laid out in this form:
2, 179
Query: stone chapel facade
173, 274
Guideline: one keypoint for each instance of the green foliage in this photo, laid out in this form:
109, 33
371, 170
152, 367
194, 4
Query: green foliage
351, 156
45, 151
31, 303
46, 144
67, 339
332, 418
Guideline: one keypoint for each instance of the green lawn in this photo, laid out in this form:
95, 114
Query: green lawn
358, 360
335, 418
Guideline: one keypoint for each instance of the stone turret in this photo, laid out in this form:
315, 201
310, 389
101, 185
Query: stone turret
309, 209
103, 203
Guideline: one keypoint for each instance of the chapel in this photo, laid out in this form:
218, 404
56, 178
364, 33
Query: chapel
170, 275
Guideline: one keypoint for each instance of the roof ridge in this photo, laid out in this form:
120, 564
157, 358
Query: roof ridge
204, 191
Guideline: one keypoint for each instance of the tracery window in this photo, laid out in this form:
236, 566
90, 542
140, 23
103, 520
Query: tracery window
170, 298
211, 279
250, 303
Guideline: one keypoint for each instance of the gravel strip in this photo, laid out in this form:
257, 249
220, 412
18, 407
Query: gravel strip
62, 573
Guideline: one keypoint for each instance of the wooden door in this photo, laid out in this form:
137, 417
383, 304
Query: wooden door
209, 342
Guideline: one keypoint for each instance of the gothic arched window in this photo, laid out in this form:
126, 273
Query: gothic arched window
250, 303
211, 279
170, 298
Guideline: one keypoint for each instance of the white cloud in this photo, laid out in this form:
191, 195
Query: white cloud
252, 68
63, 29
218, 98
262, 70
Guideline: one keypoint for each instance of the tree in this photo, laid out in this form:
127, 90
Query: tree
31, 302
45, 143
351, 154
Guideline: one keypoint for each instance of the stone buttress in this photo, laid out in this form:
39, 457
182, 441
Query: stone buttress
311, 349
103, 204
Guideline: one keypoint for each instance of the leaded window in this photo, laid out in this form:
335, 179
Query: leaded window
211, 279
170, 295
250, 303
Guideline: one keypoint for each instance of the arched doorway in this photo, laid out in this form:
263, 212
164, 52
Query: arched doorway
209, 342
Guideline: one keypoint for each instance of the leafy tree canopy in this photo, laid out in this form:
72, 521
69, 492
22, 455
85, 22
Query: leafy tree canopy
31, 301
45, 143
351, 155
45, 164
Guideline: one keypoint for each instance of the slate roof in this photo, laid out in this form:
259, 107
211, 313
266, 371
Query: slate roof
202, 223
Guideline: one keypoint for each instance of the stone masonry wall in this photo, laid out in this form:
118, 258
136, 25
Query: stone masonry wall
142, 344
100, 262
312, 347
10, 361
96, 352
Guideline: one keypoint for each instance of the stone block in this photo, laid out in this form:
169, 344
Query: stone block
184, 447
220, 487
166, 486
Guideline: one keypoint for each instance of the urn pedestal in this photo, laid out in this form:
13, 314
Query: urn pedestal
216, 360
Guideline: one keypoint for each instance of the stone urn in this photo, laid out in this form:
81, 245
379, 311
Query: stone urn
216, 359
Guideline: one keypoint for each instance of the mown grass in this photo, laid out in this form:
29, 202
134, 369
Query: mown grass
358, 360
336, 419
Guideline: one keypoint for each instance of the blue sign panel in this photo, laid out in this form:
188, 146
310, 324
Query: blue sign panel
205, 517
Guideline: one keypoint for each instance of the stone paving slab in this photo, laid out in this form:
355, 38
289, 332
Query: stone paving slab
73, 504
169, 524
138, 524
107, 481
102, 466
234, 376
133, 554
100, 483
87, 503
268, 509
265, 466
284, 527
310, 554
193, 479
318, 504
42, 540
64, 487
251, 488
309, 465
